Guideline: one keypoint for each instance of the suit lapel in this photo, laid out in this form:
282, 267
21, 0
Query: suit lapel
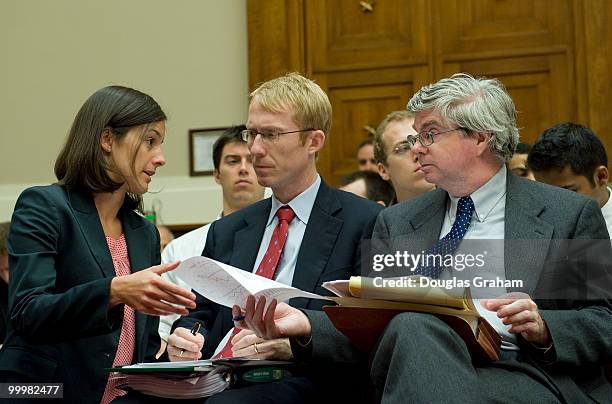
248, 240
316, 247
91, 228
427, 221
318, 242
139, 245
137, 239
523, 227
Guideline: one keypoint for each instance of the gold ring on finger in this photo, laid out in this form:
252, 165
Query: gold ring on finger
255, 346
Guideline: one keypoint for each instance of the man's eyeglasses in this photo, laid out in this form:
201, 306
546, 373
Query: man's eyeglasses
401, 148
426, 138
249, 135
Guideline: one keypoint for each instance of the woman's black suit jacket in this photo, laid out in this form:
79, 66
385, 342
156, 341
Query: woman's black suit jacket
60, 328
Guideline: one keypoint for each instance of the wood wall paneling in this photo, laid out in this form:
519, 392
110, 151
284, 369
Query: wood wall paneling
540, 87
468, 26
276, 39
593, 64
354, 109
360, 98
554, 56
341, 36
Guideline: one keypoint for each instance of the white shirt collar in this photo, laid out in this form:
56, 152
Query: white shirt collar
607, 208
608, 204
301, 204
486, 197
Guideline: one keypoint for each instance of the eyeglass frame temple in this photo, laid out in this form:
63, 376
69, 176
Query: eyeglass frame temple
247, 131
419, 137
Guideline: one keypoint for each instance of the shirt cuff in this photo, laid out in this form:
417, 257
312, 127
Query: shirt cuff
545, 355
301, 347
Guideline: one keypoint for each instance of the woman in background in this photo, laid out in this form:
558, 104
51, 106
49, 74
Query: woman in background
84, 264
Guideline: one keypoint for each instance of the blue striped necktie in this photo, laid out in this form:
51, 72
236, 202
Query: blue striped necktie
449, 243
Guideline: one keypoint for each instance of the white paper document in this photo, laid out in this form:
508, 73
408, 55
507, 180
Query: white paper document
228, 285
178, 386
339, 288
202, 364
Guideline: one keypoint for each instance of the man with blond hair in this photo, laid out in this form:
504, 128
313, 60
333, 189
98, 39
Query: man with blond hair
396, 161
305, 234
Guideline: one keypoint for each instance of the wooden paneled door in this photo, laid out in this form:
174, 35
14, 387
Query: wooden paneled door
371, 55
346, 35
359, 102
526, 44
540, 86
369, 59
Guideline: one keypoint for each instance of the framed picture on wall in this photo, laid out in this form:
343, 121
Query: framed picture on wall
200, 150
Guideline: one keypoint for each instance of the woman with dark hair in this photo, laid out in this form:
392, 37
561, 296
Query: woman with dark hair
86, 291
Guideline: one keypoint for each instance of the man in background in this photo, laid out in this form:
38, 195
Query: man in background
369, 185
518, 162
365, 156
572, 157
165, 236
395, 162
235, 174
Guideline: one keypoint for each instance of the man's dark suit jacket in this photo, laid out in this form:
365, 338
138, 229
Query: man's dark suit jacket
329, 251
581, 330
61, 329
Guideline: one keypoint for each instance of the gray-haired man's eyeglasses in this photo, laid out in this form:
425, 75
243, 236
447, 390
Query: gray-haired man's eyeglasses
426, 138
249, 135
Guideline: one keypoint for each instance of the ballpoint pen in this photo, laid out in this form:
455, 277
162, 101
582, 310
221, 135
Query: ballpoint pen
194, 331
